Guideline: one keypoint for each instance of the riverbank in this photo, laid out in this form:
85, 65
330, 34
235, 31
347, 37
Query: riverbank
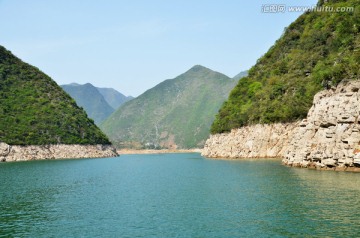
328, 139
164, 151
11, 153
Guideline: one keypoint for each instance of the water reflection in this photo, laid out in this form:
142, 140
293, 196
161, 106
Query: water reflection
333, 198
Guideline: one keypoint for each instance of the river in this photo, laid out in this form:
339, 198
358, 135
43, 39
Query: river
175, 195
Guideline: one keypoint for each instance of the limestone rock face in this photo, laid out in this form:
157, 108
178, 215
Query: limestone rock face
257, 141
4, 151
23, 153
330, 135
328, 138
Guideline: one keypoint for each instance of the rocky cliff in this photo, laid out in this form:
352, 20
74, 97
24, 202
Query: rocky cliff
9, 153
257, 141
328, 138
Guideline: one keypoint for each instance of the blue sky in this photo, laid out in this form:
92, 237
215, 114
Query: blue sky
133, 45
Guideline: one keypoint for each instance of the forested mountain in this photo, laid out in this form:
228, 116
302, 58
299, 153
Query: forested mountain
34, 110
316, 51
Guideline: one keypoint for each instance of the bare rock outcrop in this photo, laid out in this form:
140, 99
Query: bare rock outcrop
257, 141
329, 138
10, 153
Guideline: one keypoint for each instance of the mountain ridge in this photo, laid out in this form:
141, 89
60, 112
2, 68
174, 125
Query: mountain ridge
176, 113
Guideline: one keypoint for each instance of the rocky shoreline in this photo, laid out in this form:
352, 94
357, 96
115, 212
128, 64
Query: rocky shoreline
257, 141
163, 151
328, 139
11, 153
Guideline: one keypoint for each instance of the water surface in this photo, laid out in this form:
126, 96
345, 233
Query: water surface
175, 195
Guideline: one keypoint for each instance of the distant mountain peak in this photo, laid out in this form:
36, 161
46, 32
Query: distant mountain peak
74, 84
199, 70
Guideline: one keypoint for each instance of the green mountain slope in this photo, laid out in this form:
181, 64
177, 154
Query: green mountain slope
176, 113
316, 51
88, 97
34, 110
114, 98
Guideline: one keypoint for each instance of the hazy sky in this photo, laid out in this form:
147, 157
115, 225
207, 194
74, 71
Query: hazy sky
134, 45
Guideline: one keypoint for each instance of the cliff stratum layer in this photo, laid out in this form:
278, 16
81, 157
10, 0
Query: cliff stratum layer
330, 135
34, 110
256, 141
328, 138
